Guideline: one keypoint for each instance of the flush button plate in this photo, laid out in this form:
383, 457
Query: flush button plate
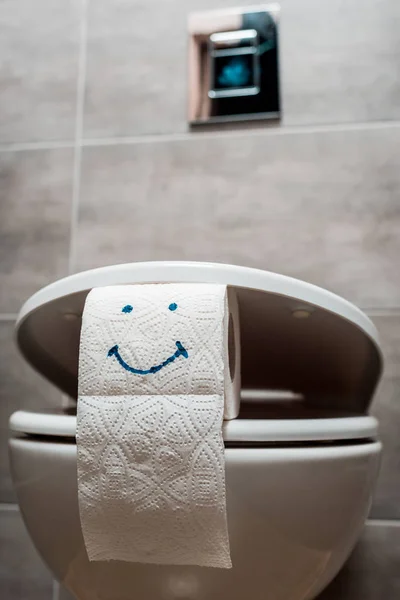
233, 65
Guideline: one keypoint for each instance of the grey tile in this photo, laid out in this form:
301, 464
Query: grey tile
372, 572
339, 61
23, 575
137, 65
319, 206
35, 210
20, 388
39, 48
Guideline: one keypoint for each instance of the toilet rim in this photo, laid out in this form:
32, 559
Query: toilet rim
55, 424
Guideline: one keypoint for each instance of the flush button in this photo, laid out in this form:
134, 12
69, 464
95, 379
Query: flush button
233, 65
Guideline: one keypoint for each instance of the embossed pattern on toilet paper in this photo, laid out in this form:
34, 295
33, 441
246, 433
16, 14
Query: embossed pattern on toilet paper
158, 459
147, 335
151, 478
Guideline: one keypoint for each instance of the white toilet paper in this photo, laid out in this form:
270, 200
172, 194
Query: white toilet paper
159, 368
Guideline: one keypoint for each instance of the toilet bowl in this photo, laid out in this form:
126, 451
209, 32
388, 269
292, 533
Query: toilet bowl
301, 459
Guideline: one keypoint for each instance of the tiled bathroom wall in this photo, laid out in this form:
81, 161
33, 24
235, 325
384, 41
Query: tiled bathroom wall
97, 166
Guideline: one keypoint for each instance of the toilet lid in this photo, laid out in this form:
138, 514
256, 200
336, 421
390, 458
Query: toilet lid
237, 431
294, 335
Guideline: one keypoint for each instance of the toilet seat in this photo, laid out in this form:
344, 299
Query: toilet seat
55, 424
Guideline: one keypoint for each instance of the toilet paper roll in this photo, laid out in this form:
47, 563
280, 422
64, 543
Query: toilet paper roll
159, 368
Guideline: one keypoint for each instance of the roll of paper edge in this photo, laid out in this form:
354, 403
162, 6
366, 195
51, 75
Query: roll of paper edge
232, 358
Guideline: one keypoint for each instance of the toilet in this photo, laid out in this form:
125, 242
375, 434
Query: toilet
301, 459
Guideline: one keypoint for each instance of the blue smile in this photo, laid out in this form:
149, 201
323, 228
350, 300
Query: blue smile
180, 352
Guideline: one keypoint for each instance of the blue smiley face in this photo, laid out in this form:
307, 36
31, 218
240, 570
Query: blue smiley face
181, 351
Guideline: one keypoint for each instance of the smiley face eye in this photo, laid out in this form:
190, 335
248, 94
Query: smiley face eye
128, 308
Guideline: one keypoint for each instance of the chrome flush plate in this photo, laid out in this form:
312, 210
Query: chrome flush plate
233, 65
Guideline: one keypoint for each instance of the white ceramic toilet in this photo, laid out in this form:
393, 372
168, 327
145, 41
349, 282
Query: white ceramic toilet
301, 460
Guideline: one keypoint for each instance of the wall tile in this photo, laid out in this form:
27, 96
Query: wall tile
388, 326
35, 209
372, 571
339, 63
20, 388
23, 576
137, 65
319, 206
39, 48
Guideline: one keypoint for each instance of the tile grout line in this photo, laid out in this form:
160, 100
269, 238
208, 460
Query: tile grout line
266, 131
80, 100
27, 146
191, 135
383, 522
390, 311
9, 507
8, 317
56, 590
